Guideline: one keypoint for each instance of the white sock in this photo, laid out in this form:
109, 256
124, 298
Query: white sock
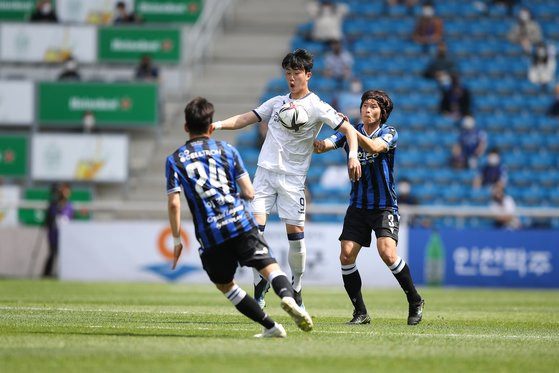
297, 257
235, 295
397, 266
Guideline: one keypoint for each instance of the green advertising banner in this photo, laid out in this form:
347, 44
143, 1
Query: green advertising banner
164, 11
117, 44
13, 155
114, 105
17, 10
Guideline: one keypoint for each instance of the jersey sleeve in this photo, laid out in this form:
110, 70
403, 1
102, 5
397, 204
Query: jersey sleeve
173, 184
389, 135
338, 139
265, 110
239, 166
328, 115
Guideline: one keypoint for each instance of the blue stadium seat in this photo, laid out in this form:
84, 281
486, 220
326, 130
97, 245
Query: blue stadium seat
547, 124
514, 160
548, 178
479, 196
542, 161
521, 178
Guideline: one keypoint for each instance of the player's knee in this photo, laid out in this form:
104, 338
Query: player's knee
224, 288
347, 258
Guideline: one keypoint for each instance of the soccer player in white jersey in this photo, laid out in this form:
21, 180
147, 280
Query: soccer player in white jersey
285, 157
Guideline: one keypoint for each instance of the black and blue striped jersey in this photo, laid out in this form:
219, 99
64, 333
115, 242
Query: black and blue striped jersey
207, 171
376, 188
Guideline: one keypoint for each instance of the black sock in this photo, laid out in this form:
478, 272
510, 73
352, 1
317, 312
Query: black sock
352, 285
282, 286
248, 307
401, 271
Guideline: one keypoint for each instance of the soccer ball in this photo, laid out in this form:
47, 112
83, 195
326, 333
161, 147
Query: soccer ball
293, 116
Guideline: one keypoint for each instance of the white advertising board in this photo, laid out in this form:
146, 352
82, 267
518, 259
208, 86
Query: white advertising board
92, 12
80, 157
47, 43
142, 251
9, 197
17, 102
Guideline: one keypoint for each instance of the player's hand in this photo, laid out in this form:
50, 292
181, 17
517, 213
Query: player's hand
177, 250
319, 146
354, 169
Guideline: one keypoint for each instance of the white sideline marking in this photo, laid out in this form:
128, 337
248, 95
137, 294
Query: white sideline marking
218, 326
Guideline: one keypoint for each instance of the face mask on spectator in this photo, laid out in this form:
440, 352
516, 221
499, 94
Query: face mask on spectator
46, 8
493, 159
523, 15
356, 87
404, 188
468, 123
428, 11
541, 52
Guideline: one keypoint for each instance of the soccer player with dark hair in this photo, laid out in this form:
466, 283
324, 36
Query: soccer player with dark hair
285, 157
210, 173
373, 205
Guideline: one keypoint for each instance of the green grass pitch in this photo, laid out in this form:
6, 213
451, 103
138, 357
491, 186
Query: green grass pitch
50, 326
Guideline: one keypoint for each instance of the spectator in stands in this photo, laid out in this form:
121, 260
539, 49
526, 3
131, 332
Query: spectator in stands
349, 101
44, 12
543, 64
484, 5
504, 208
59, 211
472, 141
70, 70
410, 4
338, 63
406, 198
456, 99
457, 160
122, 16
525, 31
146, 70
428, 28
492, 172
88, 121
327, 18
441, 67
553, 110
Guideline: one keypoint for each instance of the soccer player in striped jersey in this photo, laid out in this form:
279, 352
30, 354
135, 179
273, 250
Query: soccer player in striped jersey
210, 173
285, 158
373, 205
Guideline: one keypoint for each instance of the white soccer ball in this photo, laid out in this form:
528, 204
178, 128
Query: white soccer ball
293, 116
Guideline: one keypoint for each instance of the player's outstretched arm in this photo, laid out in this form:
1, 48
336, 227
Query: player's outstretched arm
353, 165
372, 146
236, 122
174, 213
247, 190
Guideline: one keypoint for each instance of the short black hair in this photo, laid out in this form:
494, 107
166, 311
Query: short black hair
198, 115
383, 100
298, 59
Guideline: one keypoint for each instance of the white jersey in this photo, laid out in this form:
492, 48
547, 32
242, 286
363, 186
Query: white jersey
287, 151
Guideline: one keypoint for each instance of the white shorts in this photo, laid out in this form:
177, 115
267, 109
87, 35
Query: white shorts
285, 191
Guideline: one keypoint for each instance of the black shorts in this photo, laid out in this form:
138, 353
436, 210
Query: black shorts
360, 223
248, 249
